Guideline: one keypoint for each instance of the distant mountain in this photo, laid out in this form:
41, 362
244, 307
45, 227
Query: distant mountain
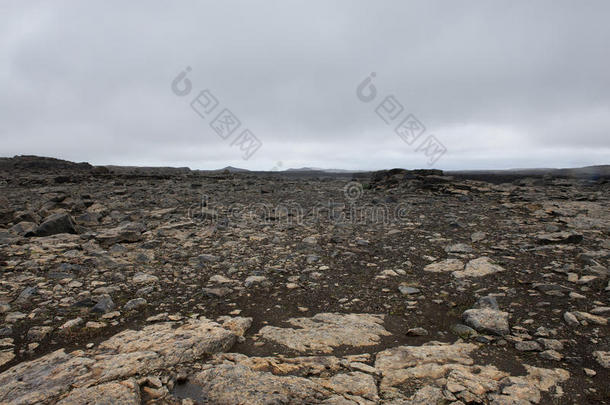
588, 171
147, 170
498, 176
233, 169
318, 169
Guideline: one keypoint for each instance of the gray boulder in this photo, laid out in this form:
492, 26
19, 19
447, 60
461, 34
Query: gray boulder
487, 320
60, 222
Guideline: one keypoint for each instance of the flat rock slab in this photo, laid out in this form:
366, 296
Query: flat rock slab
155, 347
447, 372
325, 331
480, 267
449, 265
487, 320
558, 237
443, 372
238, 379
124, 392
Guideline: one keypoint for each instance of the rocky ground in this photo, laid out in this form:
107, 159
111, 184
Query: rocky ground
182, 287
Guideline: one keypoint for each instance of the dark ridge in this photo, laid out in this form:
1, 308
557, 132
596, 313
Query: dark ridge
30, 162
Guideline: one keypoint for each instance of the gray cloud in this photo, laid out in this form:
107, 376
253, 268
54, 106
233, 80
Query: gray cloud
502, 84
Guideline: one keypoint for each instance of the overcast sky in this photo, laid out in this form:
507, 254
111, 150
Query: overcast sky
499, 84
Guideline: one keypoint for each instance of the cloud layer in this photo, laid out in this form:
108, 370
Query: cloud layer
500, 85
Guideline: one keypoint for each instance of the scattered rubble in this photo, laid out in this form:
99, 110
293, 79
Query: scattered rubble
172, 286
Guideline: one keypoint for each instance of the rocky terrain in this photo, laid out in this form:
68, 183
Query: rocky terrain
170, 286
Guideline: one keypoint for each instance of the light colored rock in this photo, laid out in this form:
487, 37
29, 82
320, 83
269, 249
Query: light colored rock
589, 372
590, 318
123, 393
426, 395
458, 248
128, 232
12, 317
448, 265
226, 382
134, 304
603, 358
450, 369
528, 346
478, 236
266, 380
570, 319
558, 237
480, 267
220, 279
600, 310
486, 320
144, 278
551, 355
353, 383
38, 333
327, 330
6, 356
40, 380
72, 323
155, 347
254, 280
237, 325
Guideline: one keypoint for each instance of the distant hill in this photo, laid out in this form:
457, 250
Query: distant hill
147, 170
588, 172
32, 162
317, 169
232, 169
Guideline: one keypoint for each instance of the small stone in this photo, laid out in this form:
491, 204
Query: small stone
158, 318
463, 331
487, 320
480, 267
217, 292
406, 290
552, 344
551, 355
570, 319
458, 248
95, 325
528, 346
417, 332
104, 304
134, 304
487, 302
71, 324
478, 236
38, 333
559, 237
603, 358
111, 315
251, 280
144, 278
220, 279
12, 317
310, 240
449, 265
589, 372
